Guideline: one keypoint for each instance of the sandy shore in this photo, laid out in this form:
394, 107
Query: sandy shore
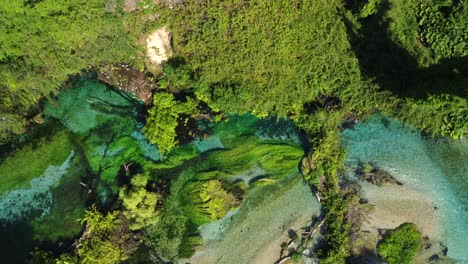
395, 205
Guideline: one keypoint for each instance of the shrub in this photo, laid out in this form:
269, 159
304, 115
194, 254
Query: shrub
400, 245
139, 204
163, 119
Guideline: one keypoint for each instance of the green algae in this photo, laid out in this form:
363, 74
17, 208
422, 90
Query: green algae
276, 159
21, 166
266, 214
68, 206
206, 201
87, 104
211, 186
214, 184
105, 127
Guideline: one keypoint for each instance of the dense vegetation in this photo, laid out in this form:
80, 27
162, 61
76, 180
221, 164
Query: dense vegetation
43, 42
400, 245
164, 117
318, 63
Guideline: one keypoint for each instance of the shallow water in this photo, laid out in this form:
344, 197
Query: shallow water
102, 130
437, 167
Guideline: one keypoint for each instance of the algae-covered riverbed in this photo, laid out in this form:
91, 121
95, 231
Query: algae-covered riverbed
91, 136
232, 194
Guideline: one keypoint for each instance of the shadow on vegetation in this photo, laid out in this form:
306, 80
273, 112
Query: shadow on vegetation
395, 69
366, 257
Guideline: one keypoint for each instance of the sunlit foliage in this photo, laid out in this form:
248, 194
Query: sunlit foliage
43, 42
139, 204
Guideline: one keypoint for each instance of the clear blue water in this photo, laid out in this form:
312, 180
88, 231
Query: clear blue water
438, 167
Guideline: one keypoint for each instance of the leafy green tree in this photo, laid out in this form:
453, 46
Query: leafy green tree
139, 204
400, 245
176, 76
163, 119
104, 240
442, 27
165, 239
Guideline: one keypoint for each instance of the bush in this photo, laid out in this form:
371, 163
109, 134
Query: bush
139, 204
400, 245
163, 119
104, 240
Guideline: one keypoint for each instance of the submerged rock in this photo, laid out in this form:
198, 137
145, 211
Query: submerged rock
375, 175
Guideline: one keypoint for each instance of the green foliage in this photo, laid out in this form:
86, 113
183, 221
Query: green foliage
404, 30
296, 257
442, 27
176, 76
369, 8
164, 117
139, 204
18, 168
43, 42
102, 242
368, 168
264, 57
45, 257
165, 238
98, 224
400, 245
444, 114
329, 156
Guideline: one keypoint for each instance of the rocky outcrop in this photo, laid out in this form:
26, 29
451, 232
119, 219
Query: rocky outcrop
131, 80
375, 175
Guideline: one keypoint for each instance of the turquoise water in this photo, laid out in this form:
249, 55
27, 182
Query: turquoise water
438, 167
103, 129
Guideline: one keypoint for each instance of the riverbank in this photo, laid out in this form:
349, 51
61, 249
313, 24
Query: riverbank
428, 196
256, 232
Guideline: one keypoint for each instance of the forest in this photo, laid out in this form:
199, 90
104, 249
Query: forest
261, 89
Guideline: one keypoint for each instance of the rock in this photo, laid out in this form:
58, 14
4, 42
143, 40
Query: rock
130, 5
131, 80
375, 175
158, 46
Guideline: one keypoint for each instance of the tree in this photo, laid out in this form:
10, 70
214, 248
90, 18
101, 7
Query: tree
176, 76
266, 56
105, 240
164, 116
400, 245
139, 204
165, 239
